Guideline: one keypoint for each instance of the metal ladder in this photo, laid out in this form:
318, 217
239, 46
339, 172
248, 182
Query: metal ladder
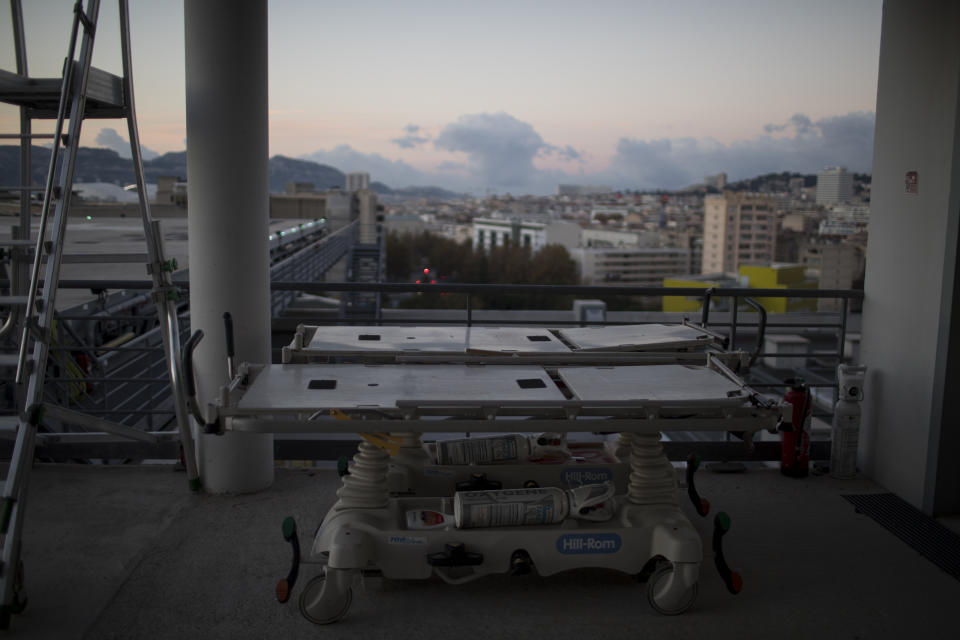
81, 92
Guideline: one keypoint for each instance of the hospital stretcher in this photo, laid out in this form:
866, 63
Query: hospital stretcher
414, 470
365, 530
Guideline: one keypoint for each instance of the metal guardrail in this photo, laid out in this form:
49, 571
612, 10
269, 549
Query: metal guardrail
127, 383
309, 265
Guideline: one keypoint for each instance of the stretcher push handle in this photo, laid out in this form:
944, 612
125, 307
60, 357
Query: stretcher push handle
191, 384
733, 580
761, 329
187, 357
228, 333
700, 504
285, 585
705, 316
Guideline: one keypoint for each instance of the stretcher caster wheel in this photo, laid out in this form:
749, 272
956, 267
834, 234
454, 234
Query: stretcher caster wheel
321, 604
666, 595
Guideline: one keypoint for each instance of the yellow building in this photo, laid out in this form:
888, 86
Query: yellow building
777, 276
694, 302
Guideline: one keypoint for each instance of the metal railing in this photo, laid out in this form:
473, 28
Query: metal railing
309, 265
291, 279
125, 380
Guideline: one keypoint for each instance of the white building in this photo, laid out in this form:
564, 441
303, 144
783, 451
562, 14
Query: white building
631, 266
488, 233
718, 181
609, 238
564, 233
404, 223
845, 221
834, 185
834, 264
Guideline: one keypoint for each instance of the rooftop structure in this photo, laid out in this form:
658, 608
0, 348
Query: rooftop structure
357, 180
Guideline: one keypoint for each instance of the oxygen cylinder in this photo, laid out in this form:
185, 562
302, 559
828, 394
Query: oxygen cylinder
845, 434
795, 443
485, 450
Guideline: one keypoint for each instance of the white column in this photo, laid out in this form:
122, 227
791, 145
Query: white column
911, 307
228, 225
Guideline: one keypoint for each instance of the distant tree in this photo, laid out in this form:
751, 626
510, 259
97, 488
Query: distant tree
400, 258
553, 265
505, 264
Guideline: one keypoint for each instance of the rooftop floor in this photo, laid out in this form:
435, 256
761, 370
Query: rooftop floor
128, 552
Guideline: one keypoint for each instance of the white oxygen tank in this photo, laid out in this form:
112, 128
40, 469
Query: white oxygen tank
845, 434
485, 450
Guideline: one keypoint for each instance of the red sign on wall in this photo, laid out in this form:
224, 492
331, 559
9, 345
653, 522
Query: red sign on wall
912, 183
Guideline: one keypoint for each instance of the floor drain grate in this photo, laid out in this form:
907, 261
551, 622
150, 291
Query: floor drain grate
939, 545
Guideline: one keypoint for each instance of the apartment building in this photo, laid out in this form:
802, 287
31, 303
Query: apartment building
630, 266
738, 228
488, 232
834, 186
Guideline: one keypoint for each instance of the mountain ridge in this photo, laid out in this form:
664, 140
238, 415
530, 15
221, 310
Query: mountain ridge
96, 164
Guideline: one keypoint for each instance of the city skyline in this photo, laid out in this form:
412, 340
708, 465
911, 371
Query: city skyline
516, 97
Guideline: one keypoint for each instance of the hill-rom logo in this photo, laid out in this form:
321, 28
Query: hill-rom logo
590, 475
573, 543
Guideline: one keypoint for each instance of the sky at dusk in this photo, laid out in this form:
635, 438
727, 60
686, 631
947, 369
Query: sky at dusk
519, 96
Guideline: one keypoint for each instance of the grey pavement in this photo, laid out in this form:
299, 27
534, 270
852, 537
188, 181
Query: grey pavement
128, 552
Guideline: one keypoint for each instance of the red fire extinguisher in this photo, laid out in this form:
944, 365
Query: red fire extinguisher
795, 446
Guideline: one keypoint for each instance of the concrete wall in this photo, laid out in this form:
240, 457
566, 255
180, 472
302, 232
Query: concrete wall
911, 255
564, 233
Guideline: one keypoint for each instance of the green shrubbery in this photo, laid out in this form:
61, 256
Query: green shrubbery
410, 253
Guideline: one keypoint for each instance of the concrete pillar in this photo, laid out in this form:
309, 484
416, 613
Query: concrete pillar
911, 310
228, 224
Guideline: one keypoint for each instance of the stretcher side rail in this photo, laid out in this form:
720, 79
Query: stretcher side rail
748, 421
579, 358
741, 408
313, 344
